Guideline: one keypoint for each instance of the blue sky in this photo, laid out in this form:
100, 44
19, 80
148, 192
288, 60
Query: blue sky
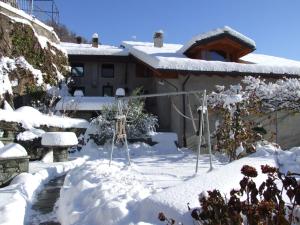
273, 24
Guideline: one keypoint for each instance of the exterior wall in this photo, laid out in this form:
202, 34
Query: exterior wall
175, 122
124, 77
282, 127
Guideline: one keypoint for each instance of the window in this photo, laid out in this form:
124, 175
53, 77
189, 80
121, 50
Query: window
107, 90
213, 55
108, 70
217, 56
77, 70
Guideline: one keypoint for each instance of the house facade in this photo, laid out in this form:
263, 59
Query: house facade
219, 57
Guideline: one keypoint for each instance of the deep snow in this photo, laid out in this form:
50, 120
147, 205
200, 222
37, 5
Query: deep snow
161, 178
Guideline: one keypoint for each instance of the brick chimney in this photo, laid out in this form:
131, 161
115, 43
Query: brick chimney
95, 40
158, 39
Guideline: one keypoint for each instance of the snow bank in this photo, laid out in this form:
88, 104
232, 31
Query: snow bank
12, 150
30, 118
18, 197
59, 139
289, 160
97, 194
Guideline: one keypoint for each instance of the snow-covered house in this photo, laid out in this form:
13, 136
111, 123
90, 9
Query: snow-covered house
219, 57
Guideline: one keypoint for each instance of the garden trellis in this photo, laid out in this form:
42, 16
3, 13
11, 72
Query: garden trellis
203, 125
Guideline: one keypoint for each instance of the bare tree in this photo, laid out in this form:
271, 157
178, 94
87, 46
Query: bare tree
65, 34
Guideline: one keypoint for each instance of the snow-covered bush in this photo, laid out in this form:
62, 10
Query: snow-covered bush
238, 133
138, 122
275, 201
235, 134
251, 204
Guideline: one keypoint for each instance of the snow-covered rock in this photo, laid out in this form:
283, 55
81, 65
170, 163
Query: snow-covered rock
12, 150
59, 139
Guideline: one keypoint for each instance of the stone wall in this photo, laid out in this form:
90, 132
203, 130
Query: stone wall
11, 167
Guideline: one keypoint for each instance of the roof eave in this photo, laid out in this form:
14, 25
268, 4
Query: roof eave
229, 73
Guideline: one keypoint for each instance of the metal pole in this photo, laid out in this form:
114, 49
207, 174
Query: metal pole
31, 7
276, 122
127, 150
200, 131
160, 95
112, 147
208, 137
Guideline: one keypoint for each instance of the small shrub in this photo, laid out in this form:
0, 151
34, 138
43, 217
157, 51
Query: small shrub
250, 205
138, 122
262, 205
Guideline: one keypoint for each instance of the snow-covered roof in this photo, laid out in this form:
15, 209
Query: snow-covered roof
269, 60
215, 33
84, 103
87, 49
170, 57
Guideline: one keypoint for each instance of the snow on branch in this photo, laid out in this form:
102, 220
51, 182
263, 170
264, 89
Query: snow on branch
280, 94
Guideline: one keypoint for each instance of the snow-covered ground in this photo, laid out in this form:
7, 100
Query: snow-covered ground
95, 191
161, 178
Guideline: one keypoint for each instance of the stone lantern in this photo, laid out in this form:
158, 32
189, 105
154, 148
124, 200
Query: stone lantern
59, 142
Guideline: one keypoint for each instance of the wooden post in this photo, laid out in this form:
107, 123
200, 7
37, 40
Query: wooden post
200, 131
